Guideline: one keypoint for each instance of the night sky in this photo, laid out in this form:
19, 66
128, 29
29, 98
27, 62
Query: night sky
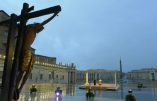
95, 34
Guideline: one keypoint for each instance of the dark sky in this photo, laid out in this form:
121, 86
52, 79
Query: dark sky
95, 34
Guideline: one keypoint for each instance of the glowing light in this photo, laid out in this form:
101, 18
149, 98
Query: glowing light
4, 56
57, 94
87, 83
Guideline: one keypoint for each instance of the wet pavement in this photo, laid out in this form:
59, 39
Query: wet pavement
75, 94
49, 97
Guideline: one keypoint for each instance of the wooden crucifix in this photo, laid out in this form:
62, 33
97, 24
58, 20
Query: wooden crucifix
20, 59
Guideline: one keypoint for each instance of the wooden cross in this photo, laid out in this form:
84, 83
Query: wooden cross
13, 54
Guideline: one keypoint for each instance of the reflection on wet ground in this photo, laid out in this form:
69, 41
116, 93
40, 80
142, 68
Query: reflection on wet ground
72, 93
49, 97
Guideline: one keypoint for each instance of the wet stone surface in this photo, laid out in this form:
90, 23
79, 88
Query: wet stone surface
75, 94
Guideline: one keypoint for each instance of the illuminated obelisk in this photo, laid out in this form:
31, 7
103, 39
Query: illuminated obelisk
87, 83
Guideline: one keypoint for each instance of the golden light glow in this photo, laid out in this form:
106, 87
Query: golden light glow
87, 83
4, 56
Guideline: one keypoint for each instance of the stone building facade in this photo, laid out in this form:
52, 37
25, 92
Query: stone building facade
146, 74
46, 70
3, 40
3, 32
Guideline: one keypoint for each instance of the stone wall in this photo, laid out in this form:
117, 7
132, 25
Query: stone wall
146, 74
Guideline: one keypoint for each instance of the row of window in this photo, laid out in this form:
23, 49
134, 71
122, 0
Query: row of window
51, 76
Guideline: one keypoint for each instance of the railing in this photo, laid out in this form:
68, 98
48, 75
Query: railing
54, 65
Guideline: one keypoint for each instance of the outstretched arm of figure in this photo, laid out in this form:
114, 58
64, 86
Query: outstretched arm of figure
40, 27
49, 19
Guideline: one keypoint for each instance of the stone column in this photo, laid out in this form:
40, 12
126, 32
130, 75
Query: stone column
115, 79
75, 76
87, 83
68, 77
72, 77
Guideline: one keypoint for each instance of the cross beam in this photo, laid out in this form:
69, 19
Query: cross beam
50, 10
